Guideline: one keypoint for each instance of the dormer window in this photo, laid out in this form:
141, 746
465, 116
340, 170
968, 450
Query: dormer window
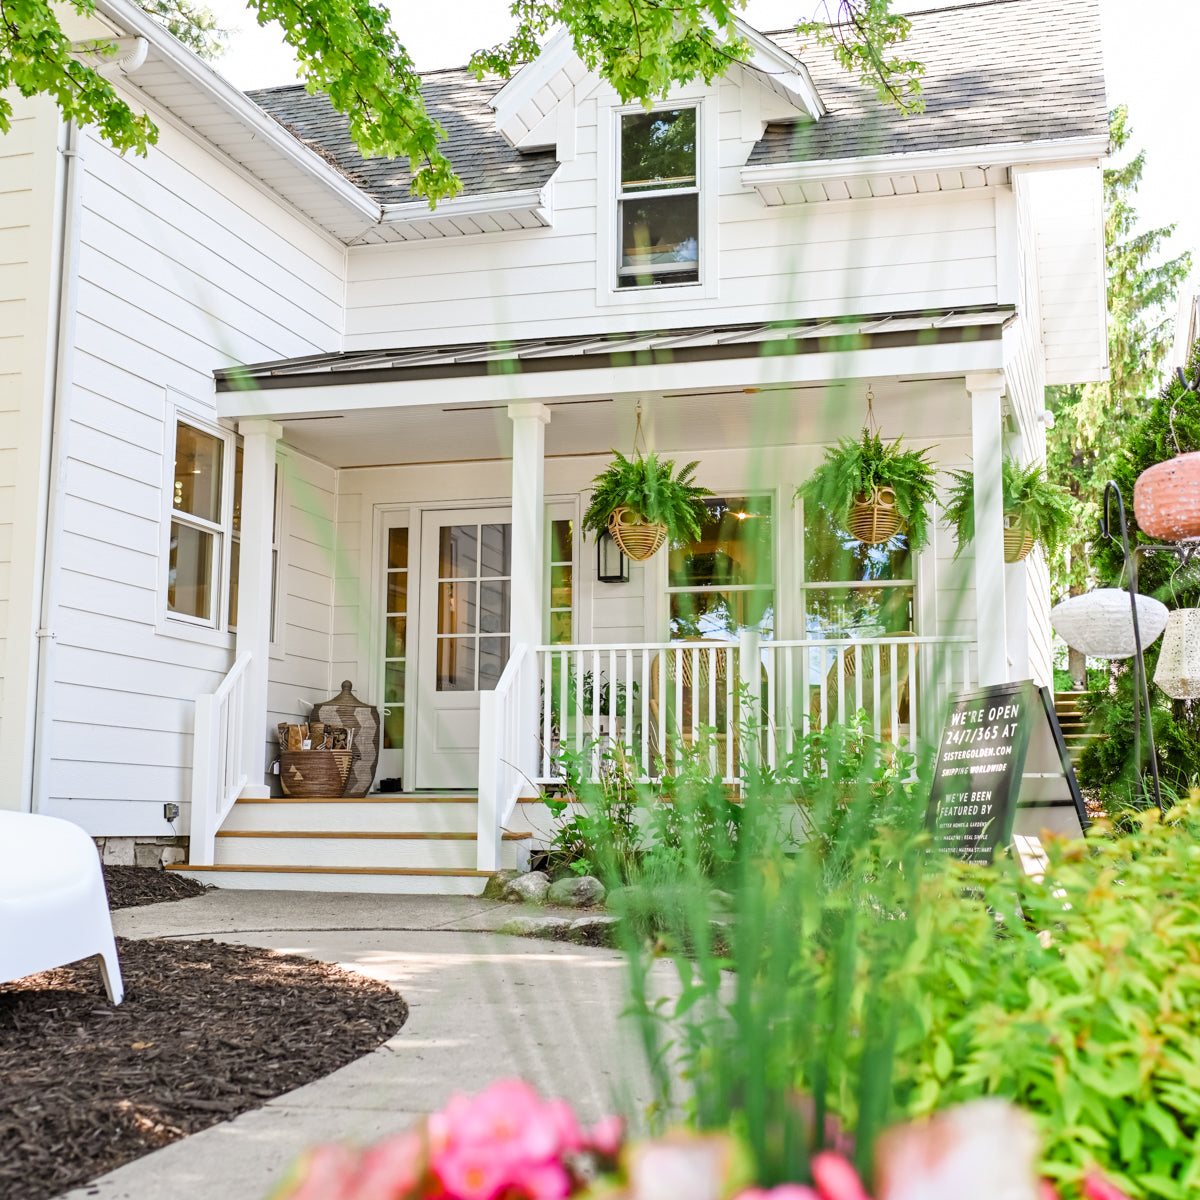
659, 199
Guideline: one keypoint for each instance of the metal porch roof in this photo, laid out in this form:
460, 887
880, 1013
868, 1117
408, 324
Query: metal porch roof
616, 350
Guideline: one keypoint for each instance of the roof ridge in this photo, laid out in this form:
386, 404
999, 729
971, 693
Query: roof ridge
916, 12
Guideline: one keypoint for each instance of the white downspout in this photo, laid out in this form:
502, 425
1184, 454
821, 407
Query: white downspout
52, 480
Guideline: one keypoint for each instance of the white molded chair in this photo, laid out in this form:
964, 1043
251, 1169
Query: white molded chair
53, 906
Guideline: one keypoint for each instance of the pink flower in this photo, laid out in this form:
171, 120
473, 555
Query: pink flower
472, 1173
505, 1139
606, 1136
683, 1166
324, 1173
1095, 1187
781, 1191
1047, 1190
392, 1169
835, 1178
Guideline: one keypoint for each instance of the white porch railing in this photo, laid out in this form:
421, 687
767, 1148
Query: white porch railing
218, 764
507, 751
655, 699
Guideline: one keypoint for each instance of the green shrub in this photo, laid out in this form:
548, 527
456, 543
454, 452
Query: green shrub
860, 980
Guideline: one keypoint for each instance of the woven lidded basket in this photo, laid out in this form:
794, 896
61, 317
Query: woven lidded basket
1018, 541
314, 774
637, 537
874, 518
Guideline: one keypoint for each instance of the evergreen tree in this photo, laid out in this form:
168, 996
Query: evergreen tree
1169, 425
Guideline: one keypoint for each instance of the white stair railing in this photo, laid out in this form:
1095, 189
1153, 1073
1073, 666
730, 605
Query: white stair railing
507, 751
218, 772
649, 701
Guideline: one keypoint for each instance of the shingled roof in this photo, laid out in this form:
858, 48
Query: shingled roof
996, 72
458, 101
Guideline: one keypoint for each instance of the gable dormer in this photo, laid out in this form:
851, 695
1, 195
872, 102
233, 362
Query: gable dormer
532, 108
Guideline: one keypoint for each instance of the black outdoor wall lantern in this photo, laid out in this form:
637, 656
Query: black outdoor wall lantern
611, 565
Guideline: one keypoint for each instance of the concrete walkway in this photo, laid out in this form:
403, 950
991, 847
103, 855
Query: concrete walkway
483, 1006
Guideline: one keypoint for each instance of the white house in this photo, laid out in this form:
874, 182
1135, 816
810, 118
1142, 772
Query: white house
268, 423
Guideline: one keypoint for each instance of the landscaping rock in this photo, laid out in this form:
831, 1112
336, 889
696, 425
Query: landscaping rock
594, 931
494, 888
528, 889
554, 928
580, 891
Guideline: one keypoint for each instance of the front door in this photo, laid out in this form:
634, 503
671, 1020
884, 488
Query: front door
466, 585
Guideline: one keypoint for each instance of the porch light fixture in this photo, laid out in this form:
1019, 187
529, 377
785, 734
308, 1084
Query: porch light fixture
611, 564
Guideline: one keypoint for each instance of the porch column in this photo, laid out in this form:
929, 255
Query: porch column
528, 520
259, 440
987, 451
529, 423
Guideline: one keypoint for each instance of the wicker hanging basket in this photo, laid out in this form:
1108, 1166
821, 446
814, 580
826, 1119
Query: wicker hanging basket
314, 774
874, 518
1018, 541
637, 537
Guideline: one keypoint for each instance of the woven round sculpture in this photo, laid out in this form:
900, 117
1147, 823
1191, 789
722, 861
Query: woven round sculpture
314, 774
1178, 670
1166, 499
637, 537
363, 720
1099, 623
874, 518
1018, 541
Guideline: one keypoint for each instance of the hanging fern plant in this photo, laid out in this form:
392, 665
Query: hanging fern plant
1032, 503
854, 472
653, 490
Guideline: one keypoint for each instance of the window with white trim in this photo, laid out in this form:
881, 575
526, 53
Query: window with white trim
206, 516
199, 524
658, 198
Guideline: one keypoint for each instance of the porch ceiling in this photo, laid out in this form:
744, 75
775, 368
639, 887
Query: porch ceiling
677, 422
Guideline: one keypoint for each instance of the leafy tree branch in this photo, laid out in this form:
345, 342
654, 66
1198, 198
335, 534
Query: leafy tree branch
348, 49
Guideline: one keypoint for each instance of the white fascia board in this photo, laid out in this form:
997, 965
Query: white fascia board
783, 71
527, 84
1058, 152
410, 211
949, 358
194, 70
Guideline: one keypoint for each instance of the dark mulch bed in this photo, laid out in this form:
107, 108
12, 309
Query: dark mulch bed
129, 887
206, 1031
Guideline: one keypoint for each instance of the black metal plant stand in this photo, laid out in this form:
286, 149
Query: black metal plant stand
1141, 690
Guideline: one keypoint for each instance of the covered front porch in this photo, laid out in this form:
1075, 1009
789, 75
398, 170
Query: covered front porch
470, 608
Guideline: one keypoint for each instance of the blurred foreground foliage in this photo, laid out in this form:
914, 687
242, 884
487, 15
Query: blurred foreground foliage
843, 977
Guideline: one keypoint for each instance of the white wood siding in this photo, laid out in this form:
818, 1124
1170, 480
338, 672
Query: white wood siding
1025, 381
183, 267
801, 261
30, 187
1067, 208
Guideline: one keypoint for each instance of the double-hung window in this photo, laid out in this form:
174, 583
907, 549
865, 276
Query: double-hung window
658, 199
199, 524
203, 557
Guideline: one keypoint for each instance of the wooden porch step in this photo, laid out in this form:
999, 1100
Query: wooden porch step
373, 798
437, 872
362, 834
435, 881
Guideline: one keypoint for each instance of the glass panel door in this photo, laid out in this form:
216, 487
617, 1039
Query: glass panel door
463, 637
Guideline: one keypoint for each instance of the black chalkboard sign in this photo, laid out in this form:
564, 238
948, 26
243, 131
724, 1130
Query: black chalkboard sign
1003, 774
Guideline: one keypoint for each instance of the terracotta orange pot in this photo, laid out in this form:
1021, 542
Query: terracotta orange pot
1166, 499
